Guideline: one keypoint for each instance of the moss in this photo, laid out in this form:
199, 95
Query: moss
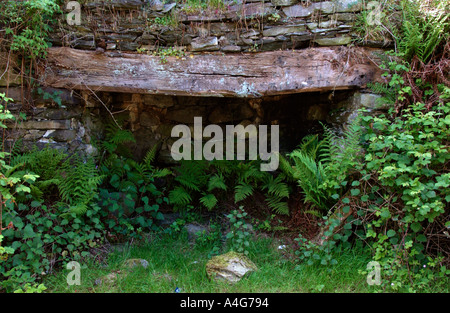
218, 266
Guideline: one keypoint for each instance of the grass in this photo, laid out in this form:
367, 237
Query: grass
176, 262
200, 6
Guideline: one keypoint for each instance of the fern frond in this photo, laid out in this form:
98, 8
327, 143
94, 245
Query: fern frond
150, 156
79, 181
159, 173
225, 167
36, 192
314, 212
11, 170
179, 196
217, 182
79, 209
276, 186
277, 205
209, 201
288, 169
192, 174
45, 162
242, 191
116, 137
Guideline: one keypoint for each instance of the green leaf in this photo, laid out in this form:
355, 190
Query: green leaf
28, 232
385, 213
35, 204
391, 233
416, 227
421, 238
58, 229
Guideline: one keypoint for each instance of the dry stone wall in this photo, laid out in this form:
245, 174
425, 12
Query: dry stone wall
78, 122
68, 126
233, 26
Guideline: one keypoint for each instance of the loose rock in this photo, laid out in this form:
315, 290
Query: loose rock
130, 263
230, 267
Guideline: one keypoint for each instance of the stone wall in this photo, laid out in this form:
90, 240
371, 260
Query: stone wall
236, 26
78, 122
69, 126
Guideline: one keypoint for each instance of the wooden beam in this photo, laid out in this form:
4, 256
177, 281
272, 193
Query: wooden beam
214, 74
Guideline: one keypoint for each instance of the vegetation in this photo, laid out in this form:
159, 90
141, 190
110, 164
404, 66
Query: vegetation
379, 191
322, 167
202, 6
174, 268
209, 180
28, 24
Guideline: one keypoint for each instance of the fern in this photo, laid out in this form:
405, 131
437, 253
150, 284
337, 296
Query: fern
217, 182
45, 162
389, 94
242, 191
115, 138
288, 169
311, 175
179, 196
163, 172
209, 201
40, 186
192, 174
423, 33
344, 151
277, 205
150, 156
276, 186
205, 180
225, 167
79, 182
321, 166
146, 167
78, 209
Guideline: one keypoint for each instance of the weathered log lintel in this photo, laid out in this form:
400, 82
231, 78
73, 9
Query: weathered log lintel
214, 74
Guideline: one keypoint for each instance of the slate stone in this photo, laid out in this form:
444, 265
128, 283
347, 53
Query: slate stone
283, 30
283, 3
205, 44
336, 41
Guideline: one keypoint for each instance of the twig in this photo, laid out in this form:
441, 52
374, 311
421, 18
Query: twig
109, 111
7, 65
